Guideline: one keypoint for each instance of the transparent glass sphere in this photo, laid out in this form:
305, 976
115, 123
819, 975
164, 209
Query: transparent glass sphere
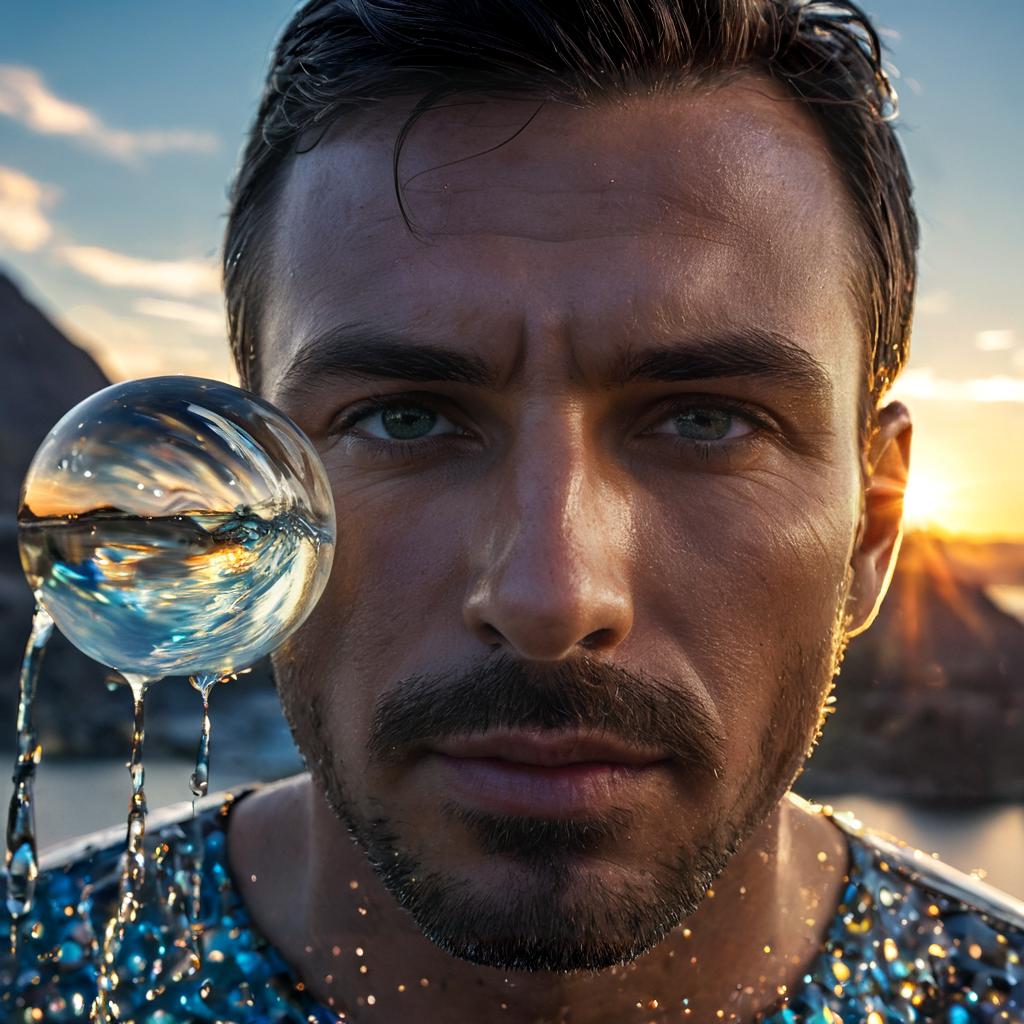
176, 526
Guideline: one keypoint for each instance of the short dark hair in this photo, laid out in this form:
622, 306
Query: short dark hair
336, 56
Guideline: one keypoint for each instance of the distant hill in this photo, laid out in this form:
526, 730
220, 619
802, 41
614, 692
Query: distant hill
44, 375
988, 563
931, 697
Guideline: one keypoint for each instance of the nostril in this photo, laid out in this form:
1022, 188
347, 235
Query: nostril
490, 636
599, 639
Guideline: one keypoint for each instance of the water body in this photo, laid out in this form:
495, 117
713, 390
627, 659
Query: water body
1008, 597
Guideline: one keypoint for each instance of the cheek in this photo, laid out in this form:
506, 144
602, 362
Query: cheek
746, 580
390, 607
399, 573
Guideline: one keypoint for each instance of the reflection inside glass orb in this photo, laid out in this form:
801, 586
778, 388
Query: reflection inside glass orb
176, 526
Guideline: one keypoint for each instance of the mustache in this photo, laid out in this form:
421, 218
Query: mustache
504, 693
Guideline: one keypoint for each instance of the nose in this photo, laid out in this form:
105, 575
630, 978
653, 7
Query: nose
549, 574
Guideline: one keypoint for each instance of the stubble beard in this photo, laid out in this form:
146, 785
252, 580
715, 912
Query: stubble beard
553, 913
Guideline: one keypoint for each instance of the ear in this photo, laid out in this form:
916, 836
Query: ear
887, 463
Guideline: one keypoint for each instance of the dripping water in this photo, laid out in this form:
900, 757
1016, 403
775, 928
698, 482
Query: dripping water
133, 873
22, 864
199, 782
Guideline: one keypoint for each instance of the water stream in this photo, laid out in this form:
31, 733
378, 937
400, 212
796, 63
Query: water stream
22, 860
133, 872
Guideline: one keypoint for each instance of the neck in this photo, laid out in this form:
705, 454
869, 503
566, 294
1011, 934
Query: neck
311, 892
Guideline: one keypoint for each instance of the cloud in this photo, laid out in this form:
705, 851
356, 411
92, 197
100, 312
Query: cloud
205, 321
994, 341
23, 224
934, 303
924, 384
128, 346
26, 98
184, 279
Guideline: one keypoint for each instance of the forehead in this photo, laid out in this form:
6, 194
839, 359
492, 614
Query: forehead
665, 214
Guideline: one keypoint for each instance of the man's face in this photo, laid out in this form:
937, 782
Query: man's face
592, 436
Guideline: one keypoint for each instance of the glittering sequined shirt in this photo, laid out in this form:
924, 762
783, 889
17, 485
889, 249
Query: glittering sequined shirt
911, 940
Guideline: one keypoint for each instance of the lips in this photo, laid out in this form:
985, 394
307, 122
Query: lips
548, 750
545, 775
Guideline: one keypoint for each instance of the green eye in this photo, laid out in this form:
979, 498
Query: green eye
703, 424
407, 422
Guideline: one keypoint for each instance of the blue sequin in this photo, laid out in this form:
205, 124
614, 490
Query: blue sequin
902, 946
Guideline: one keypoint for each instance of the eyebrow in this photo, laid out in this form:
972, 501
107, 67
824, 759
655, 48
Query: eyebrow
745, 352
363, 352
360, 351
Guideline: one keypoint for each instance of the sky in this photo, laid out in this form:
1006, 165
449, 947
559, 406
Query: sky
121, 123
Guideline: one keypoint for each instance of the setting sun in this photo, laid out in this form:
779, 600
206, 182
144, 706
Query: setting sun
923, 501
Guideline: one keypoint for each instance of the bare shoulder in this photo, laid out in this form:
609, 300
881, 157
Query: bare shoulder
281, 804
271, 823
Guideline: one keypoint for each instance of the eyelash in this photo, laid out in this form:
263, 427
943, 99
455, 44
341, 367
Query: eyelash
706, 451
397, 449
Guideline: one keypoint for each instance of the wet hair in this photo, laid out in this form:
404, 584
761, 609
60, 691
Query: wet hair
337, 56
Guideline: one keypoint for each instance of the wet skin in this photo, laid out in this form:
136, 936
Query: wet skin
645, 453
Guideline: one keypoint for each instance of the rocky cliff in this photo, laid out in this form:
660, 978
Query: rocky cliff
43, 375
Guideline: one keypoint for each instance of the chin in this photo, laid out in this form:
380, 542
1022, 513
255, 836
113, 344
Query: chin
543, 895
563, 917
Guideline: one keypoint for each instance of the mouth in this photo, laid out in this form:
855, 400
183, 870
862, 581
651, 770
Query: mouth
545, 775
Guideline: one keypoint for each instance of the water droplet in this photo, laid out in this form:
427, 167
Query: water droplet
199, 781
